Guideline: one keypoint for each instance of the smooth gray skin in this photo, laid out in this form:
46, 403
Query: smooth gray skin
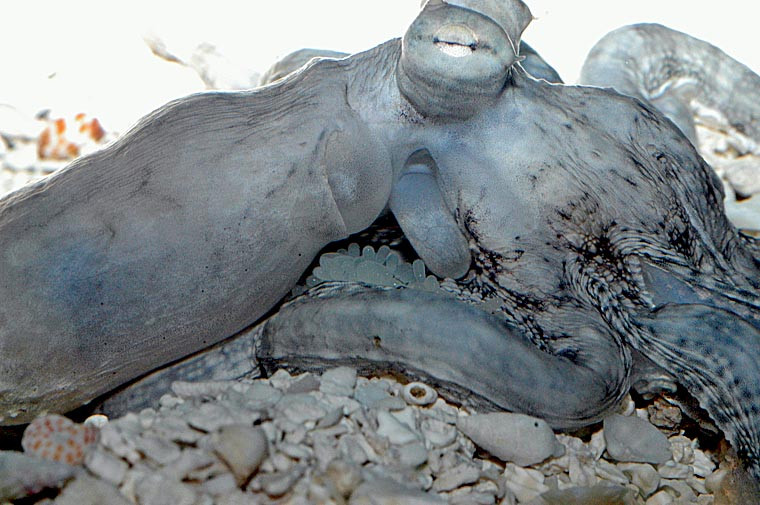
605, 239
421, 211
180, 234
670, 69
295, 60
588, 238
536, 66
195, 223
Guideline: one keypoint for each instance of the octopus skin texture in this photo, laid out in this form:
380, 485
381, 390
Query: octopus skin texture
580, 236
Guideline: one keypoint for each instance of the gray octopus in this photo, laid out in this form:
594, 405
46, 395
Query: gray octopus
580, 236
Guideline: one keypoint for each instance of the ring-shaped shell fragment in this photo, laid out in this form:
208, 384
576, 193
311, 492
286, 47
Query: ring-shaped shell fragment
418, 393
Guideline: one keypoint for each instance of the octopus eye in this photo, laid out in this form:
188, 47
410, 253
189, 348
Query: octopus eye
456, 56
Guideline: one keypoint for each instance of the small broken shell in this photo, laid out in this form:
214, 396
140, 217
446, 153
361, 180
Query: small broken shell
418, 393
57, 438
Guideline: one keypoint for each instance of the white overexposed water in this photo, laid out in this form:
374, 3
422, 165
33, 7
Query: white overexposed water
87, 56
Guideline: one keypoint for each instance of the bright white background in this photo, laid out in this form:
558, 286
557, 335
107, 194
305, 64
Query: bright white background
89, 56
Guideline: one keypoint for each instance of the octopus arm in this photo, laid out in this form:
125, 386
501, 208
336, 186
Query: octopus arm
428, 224
466, 351
714, 353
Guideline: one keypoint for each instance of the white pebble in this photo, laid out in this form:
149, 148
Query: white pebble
106, 466
158, 449
411, 455
643, 476
581, 474
437, 433
189, 462
209, 417
470, 497
388, 492
295, 451
697, 484
86, 490
632, 439
744, 175
702, 465
220, 485
456, 477
519, 438
172, 427
299, 408
261, 395
344, 476
114, 437
277, 484
609, 472
331, 418
241, 447
682, 449
673, 470
661, 498
597, 445
682, 490
338, 381
168, 401
304, 383
368, 394
155, 489
281, 379
356, 449
524, 483
395, 431
598, 495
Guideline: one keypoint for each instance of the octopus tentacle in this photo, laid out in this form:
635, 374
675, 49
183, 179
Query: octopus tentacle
673, 71
717, 357
419, 207
470, 353
229, 360
414, 327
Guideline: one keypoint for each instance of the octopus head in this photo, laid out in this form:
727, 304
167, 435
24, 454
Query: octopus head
457, 55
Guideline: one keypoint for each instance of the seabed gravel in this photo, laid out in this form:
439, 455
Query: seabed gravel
342, 439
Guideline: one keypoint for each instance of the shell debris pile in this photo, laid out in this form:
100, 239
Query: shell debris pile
736, 160
342, 439
61, 143
32, 148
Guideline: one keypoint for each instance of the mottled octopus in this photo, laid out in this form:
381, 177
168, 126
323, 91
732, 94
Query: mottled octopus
578, 240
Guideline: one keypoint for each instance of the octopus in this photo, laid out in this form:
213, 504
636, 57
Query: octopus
564, 243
